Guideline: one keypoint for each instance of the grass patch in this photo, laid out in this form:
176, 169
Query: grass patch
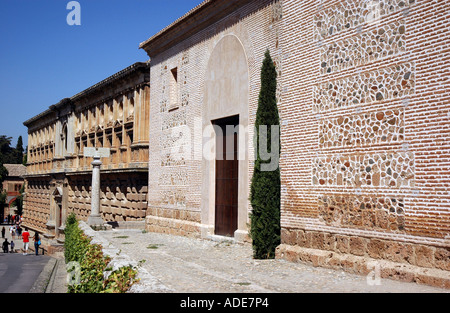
243, 284
154, 246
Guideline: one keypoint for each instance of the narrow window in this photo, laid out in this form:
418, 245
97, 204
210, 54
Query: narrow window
173, 89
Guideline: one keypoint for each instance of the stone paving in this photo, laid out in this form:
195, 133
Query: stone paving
186, 265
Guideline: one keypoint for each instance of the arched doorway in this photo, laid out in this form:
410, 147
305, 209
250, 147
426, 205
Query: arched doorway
226, 93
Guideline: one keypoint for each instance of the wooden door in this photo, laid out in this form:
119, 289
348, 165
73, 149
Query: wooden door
227, 170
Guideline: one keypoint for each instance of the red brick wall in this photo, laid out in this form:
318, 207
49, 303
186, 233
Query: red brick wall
365, 119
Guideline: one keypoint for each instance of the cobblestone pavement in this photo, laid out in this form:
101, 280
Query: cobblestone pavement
186, 265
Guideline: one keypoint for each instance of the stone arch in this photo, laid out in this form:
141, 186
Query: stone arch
226, 93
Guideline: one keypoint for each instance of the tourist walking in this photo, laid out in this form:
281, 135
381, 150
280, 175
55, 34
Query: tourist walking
26, 240
12, 246
37, 242
3, 232
12, 231
5, 246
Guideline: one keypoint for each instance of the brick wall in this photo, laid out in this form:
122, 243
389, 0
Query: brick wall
365, 122
175, 185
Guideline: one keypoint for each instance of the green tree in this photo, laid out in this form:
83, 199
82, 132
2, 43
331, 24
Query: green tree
19, 151
7, 153
3, 175
265, 188
3, 196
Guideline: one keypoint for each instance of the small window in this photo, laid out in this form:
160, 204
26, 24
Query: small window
174, 89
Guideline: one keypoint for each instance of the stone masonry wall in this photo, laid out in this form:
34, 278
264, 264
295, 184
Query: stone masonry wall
123, 197
365, 128
38, 198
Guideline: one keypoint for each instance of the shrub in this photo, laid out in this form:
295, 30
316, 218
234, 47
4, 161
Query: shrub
75, 243
93, 263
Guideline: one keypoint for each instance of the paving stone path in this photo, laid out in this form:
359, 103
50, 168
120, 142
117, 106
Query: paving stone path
186, 265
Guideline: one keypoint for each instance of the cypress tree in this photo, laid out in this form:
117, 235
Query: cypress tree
19, 151
265, 186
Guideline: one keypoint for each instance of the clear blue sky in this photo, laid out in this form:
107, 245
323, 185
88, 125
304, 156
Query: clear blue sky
44, 60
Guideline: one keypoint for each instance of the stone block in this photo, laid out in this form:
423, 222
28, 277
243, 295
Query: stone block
357, 246
105, 209
288, 237
143, 189
115, 210
442, 258
317, 240
376, 248
431, 280
424, 256
400, 252
342, 244
397, 272
329, 242
141, 213
118, 218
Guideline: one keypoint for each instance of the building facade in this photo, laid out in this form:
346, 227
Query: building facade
205, 69
363, 95
363, 99
111, 114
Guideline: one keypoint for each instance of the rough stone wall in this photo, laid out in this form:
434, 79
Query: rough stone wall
123, 197
36, 211
175, 184
365, 118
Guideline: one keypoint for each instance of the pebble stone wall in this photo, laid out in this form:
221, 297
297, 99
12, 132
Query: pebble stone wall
365, 125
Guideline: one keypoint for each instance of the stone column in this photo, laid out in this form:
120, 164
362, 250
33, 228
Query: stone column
95, 218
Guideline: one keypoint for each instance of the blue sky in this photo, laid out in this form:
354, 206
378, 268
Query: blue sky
44, 60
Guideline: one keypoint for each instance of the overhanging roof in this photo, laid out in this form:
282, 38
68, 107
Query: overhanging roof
200, 17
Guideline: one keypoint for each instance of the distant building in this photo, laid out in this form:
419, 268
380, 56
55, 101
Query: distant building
111, 114
12, 185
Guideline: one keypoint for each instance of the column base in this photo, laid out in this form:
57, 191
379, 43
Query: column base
95, 220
